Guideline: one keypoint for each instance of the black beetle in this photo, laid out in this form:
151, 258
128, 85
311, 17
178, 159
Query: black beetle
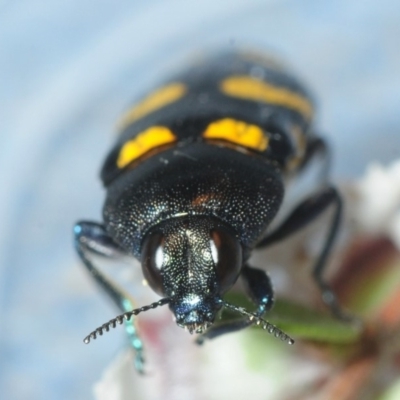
196, 178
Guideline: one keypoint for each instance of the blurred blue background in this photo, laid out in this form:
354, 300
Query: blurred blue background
67, 71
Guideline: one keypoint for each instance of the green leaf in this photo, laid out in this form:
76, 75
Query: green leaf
301, 322
393, 393
374, 288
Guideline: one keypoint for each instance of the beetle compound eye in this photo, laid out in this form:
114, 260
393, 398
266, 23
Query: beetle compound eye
152, 261
226, 252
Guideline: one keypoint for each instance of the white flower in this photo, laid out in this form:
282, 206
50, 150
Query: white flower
378, 209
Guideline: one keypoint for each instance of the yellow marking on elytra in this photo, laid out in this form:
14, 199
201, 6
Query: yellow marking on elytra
248, 88
237, 132
154, 101
145, 141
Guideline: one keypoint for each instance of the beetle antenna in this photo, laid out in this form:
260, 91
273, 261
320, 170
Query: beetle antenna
120, 319
267, 326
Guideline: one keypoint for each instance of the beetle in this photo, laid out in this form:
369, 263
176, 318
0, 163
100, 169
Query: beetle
194, 184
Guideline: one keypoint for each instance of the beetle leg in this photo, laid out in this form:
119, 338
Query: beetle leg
92, 238
317, 147
302, 215
259, 288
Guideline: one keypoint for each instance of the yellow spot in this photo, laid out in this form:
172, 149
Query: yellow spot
145, 141
248, 88
237, 132
154, 101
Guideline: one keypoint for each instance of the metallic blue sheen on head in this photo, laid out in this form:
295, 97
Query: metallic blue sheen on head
195, 313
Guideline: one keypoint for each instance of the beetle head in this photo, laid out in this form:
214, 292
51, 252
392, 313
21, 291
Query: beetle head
192, 261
